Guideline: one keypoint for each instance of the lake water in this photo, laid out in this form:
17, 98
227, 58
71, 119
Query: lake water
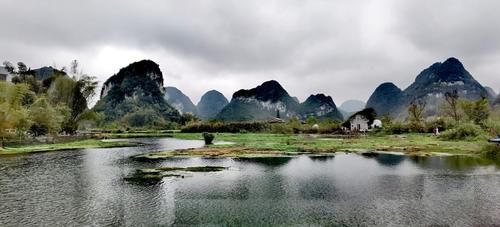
86, 187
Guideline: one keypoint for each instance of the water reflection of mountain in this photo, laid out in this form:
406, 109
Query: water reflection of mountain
385, 159
456, 162
266, 161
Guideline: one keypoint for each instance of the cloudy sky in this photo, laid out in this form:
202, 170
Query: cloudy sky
341, 48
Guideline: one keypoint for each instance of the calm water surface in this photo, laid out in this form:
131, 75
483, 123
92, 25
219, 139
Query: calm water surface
85, 187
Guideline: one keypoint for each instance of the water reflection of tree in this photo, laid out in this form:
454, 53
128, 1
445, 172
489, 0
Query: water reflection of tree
321, 158
456, 162
266, 161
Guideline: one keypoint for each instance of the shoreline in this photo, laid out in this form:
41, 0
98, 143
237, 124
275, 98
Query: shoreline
75, 145
262, 144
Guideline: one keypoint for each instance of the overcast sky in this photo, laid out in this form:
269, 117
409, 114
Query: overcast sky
344, 49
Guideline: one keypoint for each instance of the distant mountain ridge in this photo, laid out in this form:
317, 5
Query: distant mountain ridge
210, 104
491, 91
429, 87
387, 99
270, 99
320, 106
179, 101
350, 107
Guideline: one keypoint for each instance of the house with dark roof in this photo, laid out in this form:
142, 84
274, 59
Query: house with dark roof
360, 121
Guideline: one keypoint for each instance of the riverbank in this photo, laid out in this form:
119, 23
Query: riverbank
138, 134
256, 144
82, 144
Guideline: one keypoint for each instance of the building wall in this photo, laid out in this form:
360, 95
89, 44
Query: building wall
359, 123
3, 77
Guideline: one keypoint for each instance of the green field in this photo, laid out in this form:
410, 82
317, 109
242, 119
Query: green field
408, 143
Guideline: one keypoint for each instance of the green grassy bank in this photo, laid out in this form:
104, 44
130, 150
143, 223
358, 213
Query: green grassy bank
407, 143
88, 143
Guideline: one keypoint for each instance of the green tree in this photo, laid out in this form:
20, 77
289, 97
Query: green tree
477, 111
416, 114
75, 95
13, 114
452, 100
311, 120
46, 119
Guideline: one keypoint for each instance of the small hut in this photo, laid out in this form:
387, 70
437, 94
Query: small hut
361, 121
4, 74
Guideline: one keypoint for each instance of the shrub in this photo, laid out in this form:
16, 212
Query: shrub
462, 131
281, 129
218, 126
208, 137
396, 128
441, 123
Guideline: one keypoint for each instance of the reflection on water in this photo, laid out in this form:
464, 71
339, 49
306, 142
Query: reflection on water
86, 188
266, 161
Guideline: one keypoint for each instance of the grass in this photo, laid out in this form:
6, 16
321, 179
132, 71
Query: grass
89, 143
407, 143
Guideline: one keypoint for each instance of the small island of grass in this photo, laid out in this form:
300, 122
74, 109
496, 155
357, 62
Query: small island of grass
271, 145
81, 144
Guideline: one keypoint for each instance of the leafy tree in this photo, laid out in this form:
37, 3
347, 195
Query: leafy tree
13, 113
477, 111
311, 120
452, 100
188, 117
22, 68
46, 119
8, 66
34, 84
416, 114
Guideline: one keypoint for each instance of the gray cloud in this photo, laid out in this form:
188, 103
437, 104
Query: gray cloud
341, 48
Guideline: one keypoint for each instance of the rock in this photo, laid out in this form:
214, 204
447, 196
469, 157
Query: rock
135, 95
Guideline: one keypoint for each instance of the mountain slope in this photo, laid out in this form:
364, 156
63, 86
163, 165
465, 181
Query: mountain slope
260, 103
429, 87
320, 106
432, 83
387, 99
265, 101
352, 106
179, 100
135, 96
497, 101
491, 92
211, 103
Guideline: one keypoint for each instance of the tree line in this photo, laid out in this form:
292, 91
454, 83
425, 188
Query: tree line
35, 107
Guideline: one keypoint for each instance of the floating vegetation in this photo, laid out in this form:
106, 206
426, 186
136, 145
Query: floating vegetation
157, 174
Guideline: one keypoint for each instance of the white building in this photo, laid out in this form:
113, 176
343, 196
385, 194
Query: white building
5, 75
359, 123
377, 123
